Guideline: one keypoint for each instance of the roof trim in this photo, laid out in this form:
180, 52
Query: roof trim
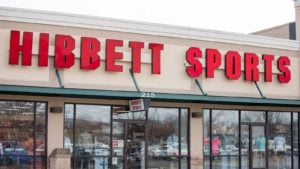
91, 93
91, 22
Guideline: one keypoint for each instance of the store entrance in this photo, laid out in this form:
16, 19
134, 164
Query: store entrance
130, 146
254, 144
134, 153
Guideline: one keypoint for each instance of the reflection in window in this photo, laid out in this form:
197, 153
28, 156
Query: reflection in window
279, 139
168, 137
184, 130
121, 112
68, 128
225, 131
206, 132
92, 131
253, 116
281, 145
22, 134
163, 129
92, 134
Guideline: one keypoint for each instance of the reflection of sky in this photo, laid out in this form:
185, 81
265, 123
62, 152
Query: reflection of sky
227, 116
163, 114
93, 113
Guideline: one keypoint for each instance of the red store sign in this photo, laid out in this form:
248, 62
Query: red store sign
90, 59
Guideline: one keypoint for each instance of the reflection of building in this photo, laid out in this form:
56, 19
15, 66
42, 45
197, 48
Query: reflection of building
212, 94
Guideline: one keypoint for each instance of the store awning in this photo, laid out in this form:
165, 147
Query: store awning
112, 94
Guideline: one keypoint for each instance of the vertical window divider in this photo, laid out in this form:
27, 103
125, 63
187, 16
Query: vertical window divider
292, 136
239, 142
210, 139
74, 131
179, 137
267, 138
111, 136
34, 133
298, 137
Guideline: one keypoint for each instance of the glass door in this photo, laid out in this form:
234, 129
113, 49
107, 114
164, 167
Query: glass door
258, 145
135, 145
253, 146
128, 145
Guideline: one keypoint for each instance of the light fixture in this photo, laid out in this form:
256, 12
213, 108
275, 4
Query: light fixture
197, 114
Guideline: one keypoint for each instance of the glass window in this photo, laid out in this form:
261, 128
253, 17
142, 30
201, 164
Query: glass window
225, 132
253, 116
22, 134
225, 162
279, 139
92, 130
122, 112
295, 133
118, 138
184, 130
68, 128
206, 132
163, 130
170, 163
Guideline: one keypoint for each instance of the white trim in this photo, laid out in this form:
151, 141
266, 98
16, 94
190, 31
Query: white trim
82, 21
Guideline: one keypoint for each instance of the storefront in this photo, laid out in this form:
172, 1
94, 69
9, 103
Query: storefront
129, 95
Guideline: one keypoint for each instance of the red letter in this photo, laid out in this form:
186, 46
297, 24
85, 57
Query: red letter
195, 69
112, 55
251, 69
282, 64
89, 53
43, 49
156, 49
64, 57
16, 48
233, 65
213, 61
136, 55
268, 67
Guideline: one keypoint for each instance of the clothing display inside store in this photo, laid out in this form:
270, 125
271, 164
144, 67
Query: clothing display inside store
279, 142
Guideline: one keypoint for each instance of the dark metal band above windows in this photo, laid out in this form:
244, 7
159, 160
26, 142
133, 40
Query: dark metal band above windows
88, 93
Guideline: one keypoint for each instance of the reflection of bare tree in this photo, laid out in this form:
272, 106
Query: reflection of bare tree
162, 125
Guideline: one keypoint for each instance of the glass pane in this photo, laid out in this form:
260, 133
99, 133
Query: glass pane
206, 131
118, 138
122, 112
100, 163
40, 134
245, 144
68, 128
16, 127
92, 130
245, 162
184, 163
280, 161
258, 147
253, 116
135, 145
163, 131
296, 161
184, 131
206, 163
225, 162
225, 132
160, 163
41, 162
279, 132
84, 162
16, 162
117, 162
295, 133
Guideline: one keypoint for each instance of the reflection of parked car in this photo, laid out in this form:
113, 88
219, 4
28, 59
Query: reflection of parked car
15, 154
